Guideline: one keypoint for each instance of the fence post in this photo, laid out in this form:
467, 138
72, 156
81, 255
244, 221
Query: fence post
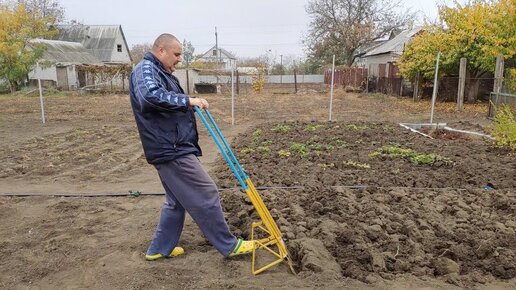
462, 84
498, 81
498, 74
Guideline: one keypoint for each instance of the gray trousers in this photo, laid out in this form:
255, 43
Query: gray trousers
189, 187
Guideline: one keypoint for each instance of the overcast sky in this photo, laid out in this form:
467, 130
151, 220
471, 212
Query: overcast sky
245, 28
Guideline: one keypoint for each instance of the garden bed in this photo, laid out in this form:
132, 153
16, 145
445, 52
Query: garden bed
381, 200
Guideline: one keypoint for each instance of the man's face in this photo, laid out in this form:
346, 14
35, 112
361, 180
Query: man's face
170, 55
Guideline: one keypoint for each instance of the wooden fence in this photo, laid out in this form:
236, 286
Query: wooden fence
354, 77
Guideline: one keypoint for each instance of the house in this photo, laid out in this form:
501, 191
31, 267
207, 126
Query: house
71, 56
380, 61
106, 42
60, 64
220, 56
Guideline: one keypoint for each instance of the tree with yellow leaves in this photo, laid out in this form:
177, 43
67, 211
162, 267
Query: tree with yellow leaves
477, 31
17, 54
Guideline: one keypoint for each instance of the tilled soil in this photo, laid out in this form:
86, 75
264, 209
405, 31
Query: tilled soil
422, 214
381, 215
369, 154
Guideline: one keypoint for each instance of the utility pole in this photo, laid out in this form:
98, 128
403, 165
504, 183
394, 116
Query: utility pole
217, 54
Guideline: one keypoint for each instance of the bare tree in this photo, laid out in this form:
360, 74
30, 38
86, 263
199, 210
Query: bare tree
45, 8
138, 50
188, 52
340, 27
265, 60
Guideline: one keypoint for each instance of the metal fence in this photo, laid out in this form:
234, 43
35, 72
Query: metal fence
498, 99
269, 79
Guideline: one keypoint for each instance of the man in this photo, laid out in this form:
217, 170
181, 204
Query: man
168, 132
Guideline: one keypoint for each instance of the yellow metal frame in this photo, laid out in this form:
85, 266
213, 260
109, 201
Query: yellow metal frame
268, 226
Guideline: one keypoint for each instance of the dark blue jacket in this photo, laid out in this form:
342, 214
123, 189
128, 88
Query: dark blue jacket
165, 121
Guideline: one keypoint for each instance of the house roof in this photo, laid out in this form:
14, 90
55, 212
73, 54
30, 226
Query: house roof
65, 52
365, 48
396, 44
99, 39
223, 54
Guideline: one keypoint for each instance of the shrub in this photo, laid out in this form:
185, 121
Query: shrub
504, 128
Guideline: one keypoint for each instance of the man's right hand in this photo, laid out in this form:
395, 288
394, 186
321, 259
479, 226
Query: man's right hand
199, 102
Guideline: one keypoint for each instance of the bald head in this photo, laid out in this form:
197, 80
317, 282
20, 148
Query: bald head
168, 51
165, 40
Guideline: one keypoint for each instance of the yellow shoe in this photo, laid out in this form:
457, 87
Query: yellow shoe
242, 247
175, 252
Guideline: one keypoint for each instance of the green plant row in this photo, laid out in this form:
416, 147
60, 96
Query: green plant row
414, 157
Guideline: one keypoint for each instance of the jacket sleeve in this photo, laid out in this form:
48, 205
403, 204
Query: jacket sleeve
152, 94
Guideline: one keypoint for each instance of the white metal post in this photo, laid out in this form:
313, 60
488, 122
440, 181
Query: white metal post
232, 98
331, 88
434, 94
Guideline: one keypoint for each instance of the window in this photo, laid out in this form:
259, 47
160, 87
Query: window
214, 52
119, 47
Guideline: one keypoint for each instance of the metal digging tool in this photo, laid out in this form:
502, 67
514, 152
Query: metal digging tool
267, 226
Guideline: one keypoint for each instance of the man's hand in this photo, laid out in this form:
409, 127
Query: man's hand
199, 102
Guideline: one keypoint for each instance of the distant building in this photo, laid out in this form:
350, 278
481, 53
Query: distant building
381, 60
66, 59
223, 58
